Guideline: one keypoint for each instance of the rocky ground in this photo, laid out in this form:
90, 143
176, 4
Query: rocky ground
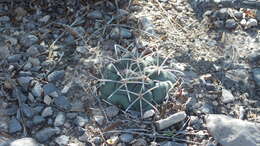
51, 59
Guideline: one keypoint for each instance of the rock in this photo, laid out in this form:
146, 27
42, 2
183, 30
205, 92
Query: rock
251, 23
126, 138
62, 103
227, 96
37, 120
147, 25
56, 75
111, 111
28, 40
95, 15
4, 52
11, 110
27, 141
24, 82
149, 113
62, 140
45, 134
172, 143
33, 50
218, 23
81, 121
118, 33
82, 49
196, 123
254, 57
4, 19
38, 109
14, 58
71, 115
77, 106
45, 19
27, 111
113, 140
84, 138
47, 100
139, 142
243, 22
207, 108
60, 119
49, 88
47, 112
238, 14
232, 132
258, 15
222, 13
231, 24
97, 140
169, 121
14, 126
256, 76
100, 119
37, 90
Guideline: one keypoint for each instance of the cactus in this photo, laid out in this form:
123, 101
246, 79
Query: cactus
136, 83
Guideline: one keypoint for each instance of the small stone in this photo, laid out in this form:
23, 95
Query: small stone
126, 138
56, 75
14, 58
62, 103
59, 120
118, 33
33, 50
111, 111
37, 120
47, 100
62, 140
28, 40
258, 15
149, 114
219, 23
27, 111
95, 15
231, 24
26, 141
37, 90
24, 82
45, 134
49, 88
84, 137
4, 52
45, 19
238, 14
243, 22
14, 126
11, 110
82, 49
77, 106
100, 119
139, 142
47, 112
81, 121
222, 13
97, 140
251, 23
147, 25
256, 76
169, 121
71, 115
113, 140
4, 19
227, 96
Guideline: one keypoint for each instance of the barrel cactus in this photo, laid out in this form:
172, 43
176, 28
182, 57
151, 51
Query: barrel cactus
136, 84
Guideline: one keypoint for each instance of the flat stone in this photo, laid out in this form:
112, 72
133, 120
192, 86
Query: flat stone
227, 96
126, 138
47, 100
118, 33
111, 111
233, 132
47, 112
28, 40
24, 82
60, 119
27, 141
37, 90
256, 76
251, 23
27, 110
231, 24
56, 75
62, 103
14, 126
14, 58
62, 140
95, 15
38, 120
11, 110
46, 134
81, 121
49, 88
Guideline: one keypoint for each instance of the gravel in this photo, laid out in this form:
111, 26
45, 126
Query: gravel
56, 76
14, 126
126, 138
45, 134
37, 120
60, 119
62, 103
27, 111
26, 141
62, 140
47, 112
256, 76
227, 96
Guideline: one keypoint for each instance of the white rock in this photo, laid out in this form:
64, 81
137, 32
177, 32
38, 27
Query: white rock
227, 96
45, 19
27, 141
233, 132
62, 140
169, 121
251, 22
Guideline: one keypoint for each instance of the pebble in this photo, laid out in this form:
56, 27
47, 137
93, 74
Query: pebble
256, 76
238, 14
49, 88
47, 112
100, 119
118, 33
169, 121
62, 140
47, 100
228, 131
26, 141
81, 121
59, 120
231, 24
14, 126
28, 40
45, 134
81, 49
4, 19
84, 137
56, 75
33, 50
222, 13
95, 15
27, 111
38, 109
147, 25
97, 140
24, 81
126, 138
14, 58
243, 22
227, 96
62, 103
149, 113
71, 115
139, 142
111, 111
254, 57
37, 120
251, 23
11, 110
37, 90
45, 19
258, 15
